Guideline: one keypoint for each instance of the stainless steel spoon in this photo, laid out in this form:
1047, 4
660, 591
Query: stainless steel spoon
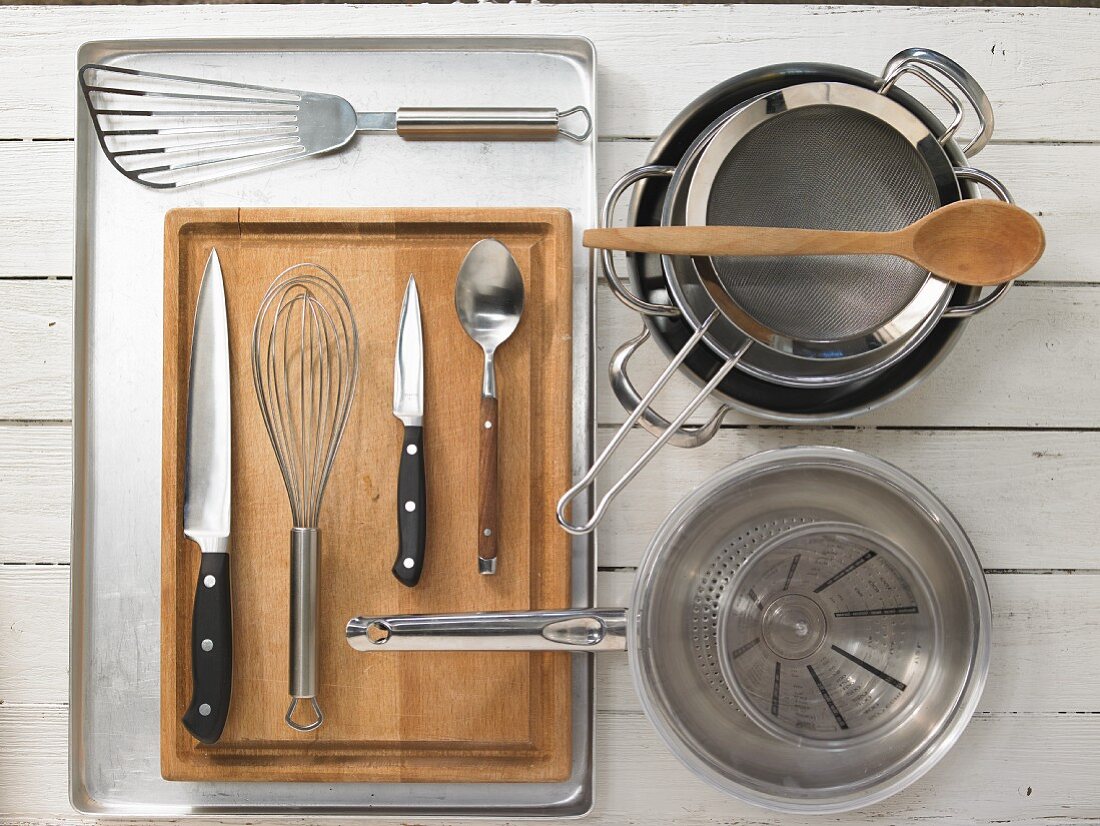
489, 302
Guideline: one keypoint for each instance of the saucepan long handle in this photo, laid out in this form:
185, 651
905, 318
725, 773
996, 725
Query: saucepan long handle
576, 630
440, 123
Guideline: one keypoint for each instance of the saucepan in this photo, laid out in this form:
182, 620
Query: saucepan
808, 630
797, 338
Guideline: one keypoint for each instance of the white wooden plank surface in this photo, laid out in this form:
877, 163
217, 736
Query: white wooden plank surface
35, 349
1059, 183
1005, 431
35, 491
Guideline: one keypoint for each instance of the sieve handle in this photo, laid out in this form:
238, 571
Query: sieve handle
589, 478
574, 630
915, 61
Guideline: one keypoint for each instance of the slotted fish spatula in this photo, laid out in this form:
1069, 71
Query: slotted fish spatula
195, 130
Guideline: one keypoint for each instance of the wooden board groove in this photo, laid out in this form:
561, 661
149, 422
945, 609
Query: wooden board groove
410, 717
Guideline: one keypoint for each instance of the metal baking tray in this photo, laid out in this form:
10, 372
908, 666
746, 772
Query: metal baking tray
114, 729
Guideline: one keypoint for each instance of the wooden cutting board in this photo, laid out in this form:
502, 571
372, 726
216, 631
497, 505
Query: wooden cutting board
389, 716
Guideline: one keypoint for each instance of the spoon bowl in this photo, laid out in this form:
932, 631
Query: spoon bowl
977, 242
489, 294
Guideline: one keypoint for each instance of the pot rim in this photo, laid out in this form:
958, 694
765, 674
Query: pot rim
922, 498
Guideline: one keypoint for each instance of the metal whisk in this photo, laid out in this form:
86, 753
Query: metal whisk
305, 362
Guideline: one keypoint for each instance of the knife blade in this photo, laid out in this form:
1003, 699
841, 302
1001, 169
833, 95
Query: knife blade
206, 508
408, 407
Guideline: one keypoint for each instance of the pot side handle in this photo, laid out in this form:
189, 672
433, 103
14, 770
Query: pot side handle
916, 61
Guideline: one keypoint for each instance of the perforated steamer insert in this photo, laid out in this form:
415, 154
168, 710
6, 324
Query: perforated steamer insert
826, 634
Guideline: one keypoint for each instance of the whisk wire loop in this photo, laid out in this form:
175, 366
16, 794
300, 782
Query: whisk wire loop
305, 349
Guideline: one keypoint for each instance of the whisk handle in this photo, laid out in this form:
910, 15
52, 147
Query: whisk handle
305, 552
411, 509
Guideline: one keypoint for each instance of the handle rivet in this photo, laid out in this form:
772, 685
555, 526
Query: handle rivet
488, 532
207, 645
205, 709
410, 506
411, 450
488, 425
408, 562
209, 580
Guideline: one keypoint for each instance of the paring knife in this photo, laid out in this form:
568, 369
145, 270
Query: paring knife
206, 501
408, 406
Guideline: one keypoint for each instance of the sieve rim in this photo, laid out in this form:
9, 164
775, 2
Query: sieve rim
691, 188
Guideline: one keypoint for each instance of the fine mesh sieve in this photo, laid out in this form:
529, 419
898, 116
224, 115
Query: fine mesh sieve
822, 167
815, 156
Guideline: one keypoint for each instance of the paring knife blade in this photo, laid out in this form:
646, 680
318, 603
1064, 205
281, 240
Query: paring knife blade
206, 508
408, 406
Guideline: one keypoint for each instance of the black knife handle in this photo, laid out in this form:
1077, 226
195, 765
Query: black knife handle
411, 509
211, 650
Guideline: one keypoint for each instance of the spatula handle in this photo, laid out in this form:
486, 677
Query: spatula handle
490, 123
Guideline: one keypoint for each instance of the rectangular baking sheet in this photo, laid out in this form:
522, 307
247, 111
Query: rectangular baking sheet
115, 626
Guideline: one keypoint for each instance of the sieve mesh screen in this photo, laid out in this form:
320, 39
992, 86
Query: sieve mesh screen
822, 167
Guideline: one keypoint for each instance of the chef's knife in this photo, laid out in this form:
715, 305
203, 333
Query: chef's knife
206, 500
408, 406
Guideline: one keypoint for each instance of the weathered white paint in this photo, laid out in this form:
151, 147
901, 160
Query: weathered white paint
1026, 498
35, 491
36, 343
1026, 495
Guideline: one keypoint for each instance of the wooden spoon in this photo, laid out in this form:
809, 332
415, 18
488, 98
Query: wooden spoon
977, 242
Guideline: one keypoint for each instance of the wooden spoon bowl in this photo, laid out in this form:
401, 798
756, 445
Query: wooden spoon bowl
977, 242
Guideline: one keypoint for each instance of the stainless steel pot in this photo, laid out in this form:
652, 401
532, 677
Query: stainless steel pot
823, 154
808, 630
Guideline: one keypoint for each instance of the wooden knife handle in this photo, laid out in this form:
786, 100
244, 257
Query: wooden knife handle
488, 493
